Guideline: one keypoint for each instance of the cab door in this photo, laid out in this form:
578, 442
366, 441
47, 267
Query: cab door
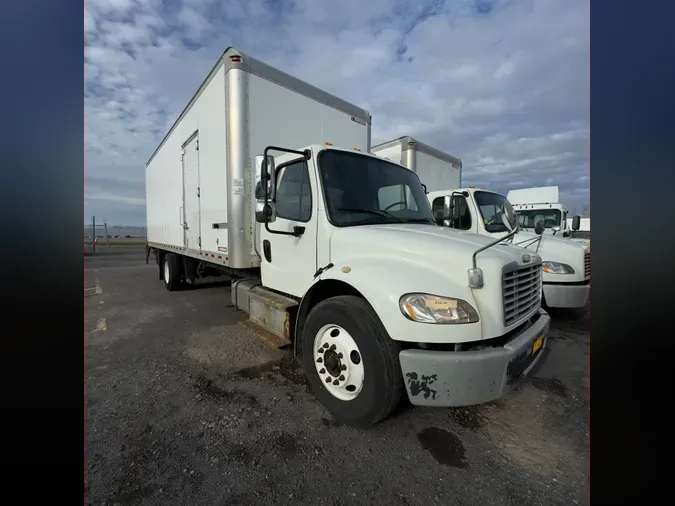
288, 263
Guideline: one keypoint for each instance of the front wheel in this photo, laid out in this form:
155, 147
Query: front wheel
351, 362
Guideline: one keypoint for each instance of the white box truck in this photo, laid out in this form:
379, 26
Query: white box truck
376, 300
435, 168
566, 264
543, 204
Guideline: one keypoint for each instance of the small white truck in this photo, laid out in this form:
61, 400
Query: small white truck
543, 204
334, 251
566, 265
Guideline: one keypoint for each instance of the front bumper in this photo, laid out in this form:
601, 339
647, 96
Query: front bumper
567, 295
464, 378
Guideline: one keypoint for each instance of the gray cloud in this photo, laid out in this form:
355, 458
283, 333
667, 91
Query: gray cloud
501, 84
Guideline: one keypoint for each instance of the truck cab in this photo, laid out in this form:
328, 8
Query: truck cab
543, 204
349, 247
566, 263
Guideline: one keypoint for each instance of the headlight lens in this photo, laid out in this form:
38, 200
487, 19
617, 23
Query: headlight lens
557, 268
425, 308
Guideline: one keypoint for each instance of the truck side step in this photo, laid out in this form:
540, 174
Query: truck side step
271, 316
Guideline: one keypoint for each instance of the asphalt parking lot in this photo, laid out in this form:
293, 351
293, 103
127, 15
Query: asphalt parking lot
183, 406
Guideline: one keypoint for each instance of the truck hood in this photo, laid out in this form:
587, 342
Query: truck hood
426, 242
433, 259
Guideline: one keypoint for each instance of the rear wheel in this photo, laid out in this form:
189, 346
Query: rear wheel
351, 362
172, 272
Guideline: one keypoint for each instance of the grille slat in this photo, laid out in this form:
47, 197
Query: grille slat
521, 292
513, 292
587, 264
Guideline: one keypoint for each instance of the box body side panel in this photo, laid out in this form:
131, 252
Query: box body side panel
391, 153
204, 122
437, 174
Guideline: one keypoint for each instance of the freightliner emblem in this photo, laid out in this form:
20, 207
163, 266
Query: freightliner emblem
526, 259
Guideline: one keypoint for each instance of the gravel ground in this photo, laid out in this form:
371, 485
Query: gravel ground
184, 407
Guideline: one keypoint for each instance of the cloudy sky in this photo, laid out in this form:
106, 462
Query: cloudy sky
503, 84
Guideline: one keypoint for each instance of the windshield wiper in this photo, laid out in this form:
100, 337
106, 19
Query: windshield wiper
419, 220
377, 212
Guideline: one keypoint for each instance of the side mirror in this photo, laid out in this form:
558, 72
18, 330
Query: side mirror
539, 228
576, 222
268, 174
450, 209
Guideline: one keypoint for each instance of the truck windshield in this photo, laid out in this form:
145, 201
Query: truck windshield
528, 218
362, 190
491, 207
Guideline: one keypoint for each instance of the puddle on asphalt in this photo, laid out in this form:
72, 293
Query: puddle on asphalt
444, 446
289, 368
287, 445
551, 385
207, 388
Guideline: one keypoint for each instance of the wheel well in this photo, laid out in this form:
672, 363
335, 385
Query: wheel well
319, 292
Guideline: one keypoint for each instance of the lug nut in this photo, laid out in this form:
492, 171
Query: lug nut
342, 377
343, 367
340, 355
328, 380
321, 350
319, 360
336, 382
332, 346
322, 371
325, 345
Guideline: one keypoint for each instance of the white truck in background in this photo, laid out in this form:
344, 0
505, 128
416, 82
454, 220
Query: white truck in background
440, 169
543, 204
325, 257
566, 264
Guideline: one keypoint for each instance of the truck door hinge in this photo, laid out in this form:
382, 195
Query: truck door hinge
198, 193
197, 145
200, 242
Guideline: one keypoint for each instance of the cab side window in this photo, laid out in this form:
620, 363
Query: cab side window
294, 194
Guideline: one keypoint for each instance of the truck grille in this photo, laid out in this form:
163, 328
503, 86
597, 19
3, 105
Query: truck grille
521, 289
587, 265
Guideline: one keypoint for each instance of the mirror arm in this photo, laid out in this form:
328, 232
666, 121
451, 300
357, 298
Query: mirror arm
509, 236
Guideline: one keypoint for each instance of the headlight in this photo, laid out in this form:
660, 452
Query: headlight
557, 268
425, 308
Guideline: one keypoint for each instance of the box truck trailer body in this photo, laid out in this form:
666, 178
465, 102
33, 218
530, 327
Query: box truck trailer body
205, 161
325, 257
436, 169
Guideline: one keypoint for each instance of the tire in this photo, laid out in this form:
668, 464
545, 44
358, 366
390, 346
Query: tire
377, 390
172, 272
